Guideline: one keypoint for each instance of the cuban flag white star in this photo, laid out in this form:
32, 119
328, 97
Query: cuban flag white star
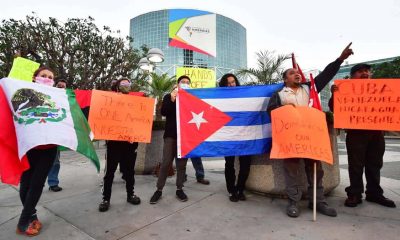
197, 119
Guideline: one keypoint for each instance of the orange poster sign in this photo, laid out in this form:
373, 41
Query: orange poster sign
300, 132
121, 117
372, 104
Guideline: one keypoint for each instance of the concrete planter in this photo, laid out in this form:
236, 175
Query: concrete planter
266, 176
149, 154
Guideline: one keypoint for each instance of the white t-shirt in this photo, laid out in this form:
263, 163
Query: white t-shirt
298, 97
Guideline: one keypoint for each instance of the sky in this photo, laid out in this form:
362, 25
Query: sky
315, 30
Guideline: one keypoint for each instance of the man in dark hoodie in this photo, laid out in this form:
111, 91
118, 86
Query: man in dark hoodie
297, 94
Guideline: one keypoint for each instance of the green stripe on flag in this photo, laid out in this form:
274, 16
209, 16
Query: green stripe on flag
82, 129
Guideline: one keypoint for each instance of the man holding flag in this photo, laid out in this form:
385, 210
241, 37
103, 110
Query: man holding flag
297, 92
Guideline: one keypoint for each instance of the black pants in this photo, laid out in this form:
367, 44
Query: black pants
124, 154
365, 149
230, 175
32, 182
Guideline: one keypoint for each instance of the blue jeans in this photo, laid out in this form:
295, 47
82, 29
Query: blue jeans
52, 177
198, 166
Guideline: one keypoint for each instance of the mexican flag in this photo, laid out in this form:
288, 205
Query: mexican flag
31, 115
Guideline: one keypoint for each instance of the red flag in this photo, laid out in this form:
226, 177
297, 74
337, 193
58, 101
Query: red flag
83, 97
11, 167
295, 65
314, 98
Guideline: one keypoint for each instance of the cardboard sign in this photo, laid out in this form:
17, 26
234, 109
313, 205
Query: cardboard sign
121, 117
23, 69
367, 104
300, 132
83, 97
199, 77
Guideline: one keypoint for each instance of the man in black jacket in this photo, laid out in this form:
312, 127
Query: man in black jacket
168, 109
297, 94
365, 149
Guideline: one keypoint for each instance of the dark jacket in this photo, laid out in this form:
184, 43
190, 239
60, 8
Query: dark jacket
330, 103
168, 109
320, 82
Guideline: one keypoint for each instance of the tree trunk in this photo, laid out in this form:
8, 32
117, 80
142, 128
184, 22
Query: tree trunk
158, 110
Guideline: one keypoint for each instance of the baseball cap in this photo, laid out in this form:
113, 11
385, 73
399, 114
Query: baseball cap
359, 66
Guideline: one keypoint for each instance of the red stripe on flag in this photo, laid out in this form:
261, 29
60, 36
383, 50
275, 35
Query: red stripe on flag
83, 97
11, 167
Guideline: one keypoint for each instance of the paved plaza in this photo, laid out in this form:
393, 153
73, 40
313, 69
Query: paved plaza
73, 213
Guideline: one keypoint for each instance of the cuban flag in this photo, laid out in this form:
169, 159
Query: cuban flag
226, 121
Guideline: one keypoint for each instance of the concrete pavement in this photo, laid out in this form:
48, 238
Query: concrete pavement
73, 213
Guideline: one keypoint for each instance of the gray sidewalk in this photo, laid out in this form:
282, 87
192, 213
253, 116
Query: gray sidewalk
72, 213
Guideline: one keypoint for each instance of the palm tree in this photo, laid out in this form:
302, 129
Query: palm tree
158, 87
269, 68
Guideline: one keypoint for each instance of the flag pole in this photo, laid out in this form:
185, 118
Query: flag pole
315, 193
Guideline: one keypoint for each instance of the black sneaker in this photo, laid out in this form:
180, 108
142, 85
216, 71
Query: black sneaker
381, 200
104, 206
156, 196
241, 196
323, 208
55, 188
135, 200
233, 197
292, 210
181, 195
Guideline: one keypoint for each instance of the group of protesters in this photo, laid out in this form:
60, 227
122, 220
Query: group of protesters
365, 151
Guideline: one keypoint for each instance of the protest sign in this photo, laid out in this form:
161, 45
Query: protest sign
199, 77
23, 69
300, 132
372, 104
121, 117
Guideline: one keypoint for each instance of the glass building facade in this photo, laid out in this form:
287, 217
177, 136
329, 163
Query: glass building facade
152, 29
